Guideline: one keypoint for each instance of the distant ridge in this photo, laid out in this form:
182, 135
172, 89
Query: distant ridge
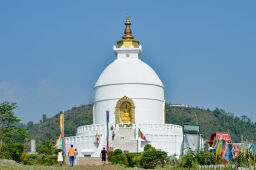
76, 116
210, 122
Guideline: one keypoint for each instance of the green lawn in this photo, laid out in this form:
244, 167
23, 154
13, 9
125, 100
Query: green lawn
11, 166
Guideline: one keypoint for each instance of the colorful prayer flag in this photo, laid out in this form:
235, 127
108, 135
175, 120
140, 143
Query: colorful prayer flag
213, 143
97, 138
215, 147
140, 134
62, 137
219, 148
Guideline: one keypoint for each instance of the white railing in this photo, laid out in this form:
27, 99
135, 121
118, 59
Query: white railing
79, 139
90, 129
158, 128
163, 127
164, 137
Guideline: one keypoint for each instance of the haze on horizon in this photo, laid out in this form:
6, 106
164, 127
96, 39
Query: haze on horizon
52, 52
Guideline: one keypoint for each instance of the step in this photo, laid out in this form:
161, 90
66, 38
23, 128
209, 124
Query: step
124, 139
89, 161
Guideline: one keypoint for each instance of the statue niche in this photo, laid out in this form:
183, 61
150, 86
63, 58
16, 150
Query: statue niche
125, 110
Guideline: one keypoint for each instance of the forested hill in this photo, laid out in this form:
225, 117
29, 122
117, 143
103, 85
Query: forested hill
50, 127
210, 122
213, 121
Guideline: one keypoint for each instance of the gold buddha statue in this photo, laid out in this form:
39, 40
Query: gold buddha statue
125, 116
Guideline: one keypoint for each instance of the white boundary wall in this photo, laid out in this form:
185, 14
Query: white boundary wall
166, 137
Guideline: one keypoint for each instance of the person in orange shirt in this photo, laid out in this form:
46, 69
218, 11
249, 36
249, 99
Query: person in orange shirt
71, 154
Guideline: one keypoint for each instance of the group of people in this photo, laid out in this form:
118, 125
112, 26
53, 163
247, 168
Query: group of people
72, 154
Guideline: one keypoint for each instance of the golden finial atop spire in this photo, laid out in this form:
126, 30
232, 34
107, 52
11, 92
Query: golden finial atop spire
127, 31
127, 40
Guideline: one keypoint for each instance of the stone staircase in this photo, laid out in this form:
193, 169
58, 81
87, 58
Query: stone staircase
125, 139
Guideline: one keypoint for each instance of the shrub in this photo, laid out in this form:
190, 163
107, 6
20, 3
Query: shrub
136, 161
118, 151
45, 149
58, 150
149, 159
110, 155
5, 155
28, 159
187, 161
49, 159
162, 157
148, 147
120, 159
12, 151
204, 158
241, 160
131, 161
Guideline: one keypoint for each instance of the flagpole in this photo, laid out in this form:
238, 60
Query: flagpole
63, 133
107, 130
63, 123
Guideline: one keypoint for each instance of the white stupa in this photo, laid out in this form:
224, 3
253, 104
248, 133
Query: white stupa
133, 94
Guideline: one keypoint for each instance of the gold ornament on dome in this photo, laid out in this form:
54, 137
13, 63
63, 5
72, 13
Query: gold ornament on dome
127, 31
125, 110
128, 40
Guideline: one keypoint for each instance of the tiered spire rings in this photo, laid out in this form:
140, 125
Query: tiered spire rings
127, 40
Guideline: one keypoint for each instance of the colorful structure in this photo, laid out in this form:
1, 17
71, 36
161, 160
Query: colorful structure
219, 136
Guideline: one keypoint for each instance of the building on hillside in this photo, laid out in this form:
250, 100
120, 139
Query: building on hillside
179, 105
129, 103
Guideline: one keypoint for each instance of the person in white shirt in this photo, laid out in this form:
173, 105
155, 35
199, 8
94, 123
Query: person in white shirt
60, 158
76, 157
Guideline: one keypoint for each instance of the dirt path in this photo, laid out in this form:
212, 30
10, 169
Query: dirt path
95, 167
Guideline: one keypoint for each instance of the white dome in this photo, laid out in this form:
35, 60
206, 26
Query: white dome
128, 71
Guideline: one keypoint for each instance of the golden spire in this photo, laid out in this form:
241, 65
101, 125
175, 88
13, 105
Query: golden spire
127, 31
127, 40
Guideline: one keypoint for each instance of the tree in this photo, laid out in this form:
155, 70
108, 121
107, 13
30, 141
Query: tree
44, 117
9, 132
244, 118
45, 147
30, 124
7, 118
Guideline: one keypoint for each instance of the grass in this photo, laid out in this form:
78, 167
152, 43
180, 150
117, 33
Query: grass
11, 166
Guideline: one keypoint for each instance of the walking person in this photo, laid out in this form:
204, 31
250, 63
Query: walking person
103, 156
76, 157
60, 158
113, 135
71, 154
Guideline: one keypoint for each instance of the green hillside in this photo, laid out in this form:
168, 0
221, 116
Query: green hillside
210, 122
213, 121
50, 127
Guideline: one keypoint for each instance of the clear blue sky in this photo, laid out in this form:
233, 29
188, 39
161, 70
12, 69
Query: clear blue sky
52, 52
